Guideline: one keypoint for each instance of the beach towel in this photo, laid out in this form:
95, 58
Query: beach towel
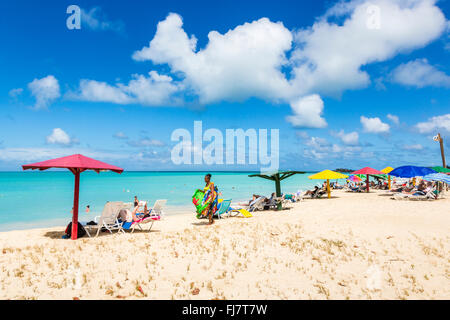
127, 225
245, 213
205, 201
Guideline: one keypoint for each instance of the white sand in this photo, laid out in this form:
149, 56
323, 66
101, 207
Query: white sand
355, 246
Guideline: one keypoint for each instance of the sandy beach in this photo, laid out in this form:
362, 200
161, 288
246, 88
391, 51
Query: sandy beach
353, 246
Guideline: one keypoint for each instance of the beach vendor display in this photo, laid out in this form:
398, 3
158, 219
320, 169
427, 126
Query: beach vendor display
205, 200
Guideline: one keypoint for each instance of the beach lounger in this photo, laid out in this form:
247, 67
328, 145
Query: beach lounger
273, 203
429, 196
318, 193
109, 218
156, 213
299, 196
157, 209
255, 205
355, 189
223, 208
285, 203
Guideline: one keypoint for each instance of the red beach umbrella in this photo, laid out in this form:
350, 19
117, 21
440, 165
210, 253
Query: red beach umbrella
367, 171
76, 163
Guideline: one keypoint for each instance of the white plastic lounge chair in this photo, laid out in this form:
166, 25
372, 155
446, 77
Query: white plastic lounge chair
158, 208
109, 218
156, 213
256, 205
299, 196
430, 195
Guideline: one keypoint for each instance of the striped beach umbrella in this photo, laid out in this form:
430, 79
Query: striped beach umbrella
438, 177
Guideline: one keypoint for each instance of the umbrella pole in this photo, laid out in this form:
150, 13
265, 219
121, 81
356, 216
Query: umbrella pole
278, 190
328, 188
389, 182
367, 182
75, 206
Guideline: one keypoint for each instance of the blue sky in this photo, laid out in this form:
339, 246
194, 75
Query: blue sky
348, 84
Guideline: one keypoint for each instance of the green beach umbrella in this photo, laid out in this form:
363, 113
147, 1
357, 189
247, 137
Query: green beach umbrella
441, 169
277, 176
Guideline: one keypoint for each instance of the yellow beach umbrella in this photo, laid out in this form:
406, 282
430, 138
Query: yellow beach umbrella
328, 174
387, 170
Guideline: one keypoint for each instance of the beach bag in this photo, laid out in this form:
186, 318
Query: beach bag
81, 232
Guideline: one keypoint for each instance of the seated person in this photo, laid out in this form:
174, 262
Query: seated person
418, 190
249, 202
402, 188
424, 189
126, 215
311, 192
336, 185
269, 202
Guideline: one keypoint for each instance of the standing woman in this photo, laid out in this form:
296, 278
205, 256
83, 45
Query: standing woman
211, 194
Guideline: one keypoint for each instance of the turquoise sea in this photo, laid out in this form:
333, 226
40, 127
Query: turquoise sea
44, 199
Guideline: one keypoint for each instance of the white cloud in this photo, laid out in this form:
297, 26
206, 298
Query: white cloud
45, 91
120, 135
146, 142
154, 90
60, 137
319, 148
302, 134
27, 155
419, 73
96, 20
330, 55
242, 63
434, 124
394, 119
412, 147
91, 90
374, 125
246, 61
307, 112
264, 59
351, 138
14, 93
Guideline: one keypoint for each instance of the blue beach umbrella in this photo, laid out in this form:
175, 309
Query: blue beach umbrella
411, 172
437, 177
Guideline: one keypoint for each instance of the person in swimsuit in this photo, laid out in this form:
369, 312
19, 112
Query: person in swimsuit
136, 201
126, 215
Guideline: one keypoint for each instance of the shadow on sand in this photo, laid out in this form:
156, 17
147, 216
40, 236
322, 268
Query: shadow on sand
93, 232
321, 198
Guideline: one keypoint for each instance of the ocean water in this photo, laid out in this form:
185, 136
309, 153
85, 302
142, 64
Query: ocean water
44, 199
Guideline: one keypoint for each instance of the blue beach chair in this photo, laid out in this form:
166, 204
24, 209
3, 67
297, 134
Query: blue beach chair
223, 208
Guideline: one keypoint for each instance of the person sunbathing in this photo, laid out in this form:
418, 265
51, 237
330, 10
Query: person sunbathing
126, 215
419, 190
311, 192
403, 188
270, 202
249, 202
